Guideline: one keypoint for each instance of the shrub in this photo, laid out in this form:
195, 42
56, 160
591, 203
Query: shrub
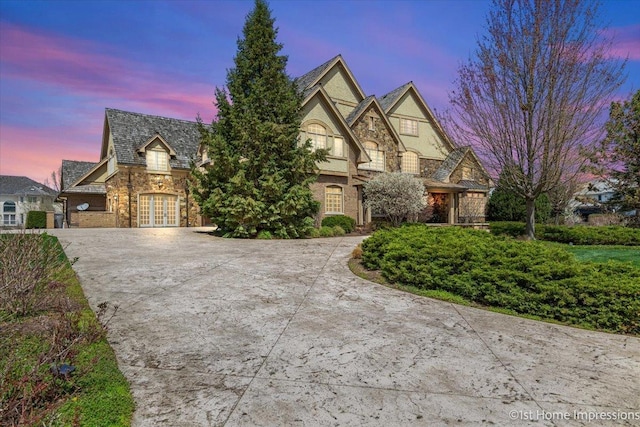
338, 231
509, 228
395, 195
579, 235
347, 223
265, 235
36, 219
531, 278
314, 233
326, 231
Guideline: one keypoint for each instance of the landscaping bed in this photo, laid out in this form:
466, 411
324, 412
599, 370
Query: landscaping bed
526, 278
56, 366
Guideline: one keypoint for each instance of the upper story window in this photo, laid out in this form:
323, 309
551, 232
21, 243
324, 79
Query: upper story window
372, 123
338, 147
9, 213
467, 173
410, 162
376, 155
157, 159
32, 199
409, 127
318, 136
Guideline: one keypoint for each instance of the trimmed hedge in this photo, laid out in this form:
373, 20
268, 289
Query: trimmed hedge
36, 219
347, 223
530, 278
580, 235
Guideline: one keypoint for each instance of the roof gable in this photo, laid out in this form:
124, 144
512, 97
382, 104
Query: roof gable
367, 104
130, 131
73, 170
392, 100
331, 75
450, 163
161, 141
320, 94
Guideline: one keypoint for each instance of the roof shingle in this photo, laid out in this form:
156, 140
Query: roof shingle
22, 185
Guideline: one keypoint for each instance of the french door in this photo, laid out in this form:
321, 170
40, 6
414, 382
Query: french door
158, 210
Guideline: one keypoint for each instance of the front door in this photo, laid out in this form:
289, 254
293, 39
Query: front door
158, 210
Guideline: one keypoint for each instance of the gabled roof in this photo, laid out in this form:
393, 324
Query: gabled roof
318, 90
73, 170
371, 101
450, 163
130, 131
310, 79
158, 137
390, 100
22, 185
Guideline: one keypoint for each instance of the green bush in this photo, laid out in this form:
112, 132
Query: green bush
580, 235
531, 278
36, 219
264, 235
338, 231
347, 223
326, 231
314, 233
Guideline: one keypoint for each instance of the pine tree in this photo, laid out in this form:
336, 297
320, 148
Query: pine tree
260, 172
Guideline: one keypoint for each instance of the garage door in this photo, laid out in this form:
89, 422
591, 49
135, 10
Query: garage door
158, 210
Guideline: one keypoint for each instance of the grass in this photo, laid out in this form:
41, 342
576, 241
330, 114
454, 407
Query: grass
59, 327
630, 254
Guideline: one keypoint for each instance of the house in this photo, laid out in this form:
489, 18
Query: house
141, 177
19, 195
397, 132
140, 180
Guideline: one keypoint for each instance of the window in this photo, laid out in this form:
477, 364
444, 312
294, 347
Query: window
9, 213
157, 160
333, 200
318, 136
467, 173
377, 157
338, 147
372, 123
409, 127
32, 199
410, 163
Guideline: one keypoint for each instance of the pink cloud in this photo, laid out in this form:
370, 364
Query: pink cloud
89, 68
626, 42
34, 152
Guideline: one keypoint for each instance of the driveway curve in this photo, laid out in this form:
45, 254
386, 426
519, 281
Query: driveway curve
214, 332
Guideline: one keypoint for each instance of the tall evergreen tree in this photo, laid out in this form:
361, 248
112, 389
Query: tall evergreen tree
260, 172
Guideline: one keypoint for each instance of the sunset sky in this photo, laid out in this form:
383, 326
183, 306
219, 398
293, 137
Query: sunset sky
63, 62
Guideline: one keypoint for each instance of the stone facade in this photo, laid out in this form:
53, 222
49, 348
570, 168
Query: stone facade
429, 166
125, 203
381, 135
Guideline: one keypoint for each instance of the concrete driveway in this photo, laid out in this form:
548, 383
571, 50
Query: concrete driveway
214, 331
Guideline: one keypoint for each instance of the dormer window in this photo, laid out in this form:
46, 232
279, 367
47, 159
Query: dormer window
157, 159
409, 127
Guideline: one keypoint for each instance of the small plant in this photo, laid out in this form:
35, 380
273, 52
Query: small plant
338, 231
314, 233
347, 223
357, 252
265, 235
36, 219
326, 231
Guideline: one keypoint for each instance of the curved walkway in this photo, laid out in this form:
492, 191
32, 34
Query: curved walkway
214, 331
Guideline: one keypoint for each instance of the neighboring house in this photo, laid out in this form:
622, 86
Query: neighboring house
19, 195
141, 178
397, 132
592, 198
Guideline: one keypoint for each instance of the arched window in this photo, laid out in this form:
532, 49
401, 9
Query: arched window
410, 162
376, 155
9, 213
333, 200
318, 135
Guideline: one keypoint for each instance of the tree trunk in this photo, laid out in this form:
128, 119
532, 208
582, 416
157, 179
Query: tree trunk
531, 219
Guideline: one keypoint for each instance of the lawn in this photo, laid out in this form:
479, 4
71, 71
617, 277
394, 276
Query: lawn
46, 329
630, 254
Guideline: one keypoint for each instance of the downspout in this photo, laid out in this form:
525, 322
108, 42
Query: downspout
129, 187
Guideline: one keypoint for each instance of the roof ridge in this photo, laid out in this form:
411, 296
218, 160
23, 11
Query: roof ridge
150, 115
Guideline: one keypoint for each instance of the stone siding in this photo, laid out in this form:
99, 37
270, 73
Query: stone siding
381, 135
469, 162
143, 182
429, 166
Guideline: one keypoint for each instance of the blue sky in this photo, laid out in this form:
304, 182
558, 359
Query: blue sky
63, 62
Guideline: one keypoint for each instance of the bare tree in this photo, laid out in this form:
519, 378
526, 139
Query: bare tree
533, 93
54, 181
